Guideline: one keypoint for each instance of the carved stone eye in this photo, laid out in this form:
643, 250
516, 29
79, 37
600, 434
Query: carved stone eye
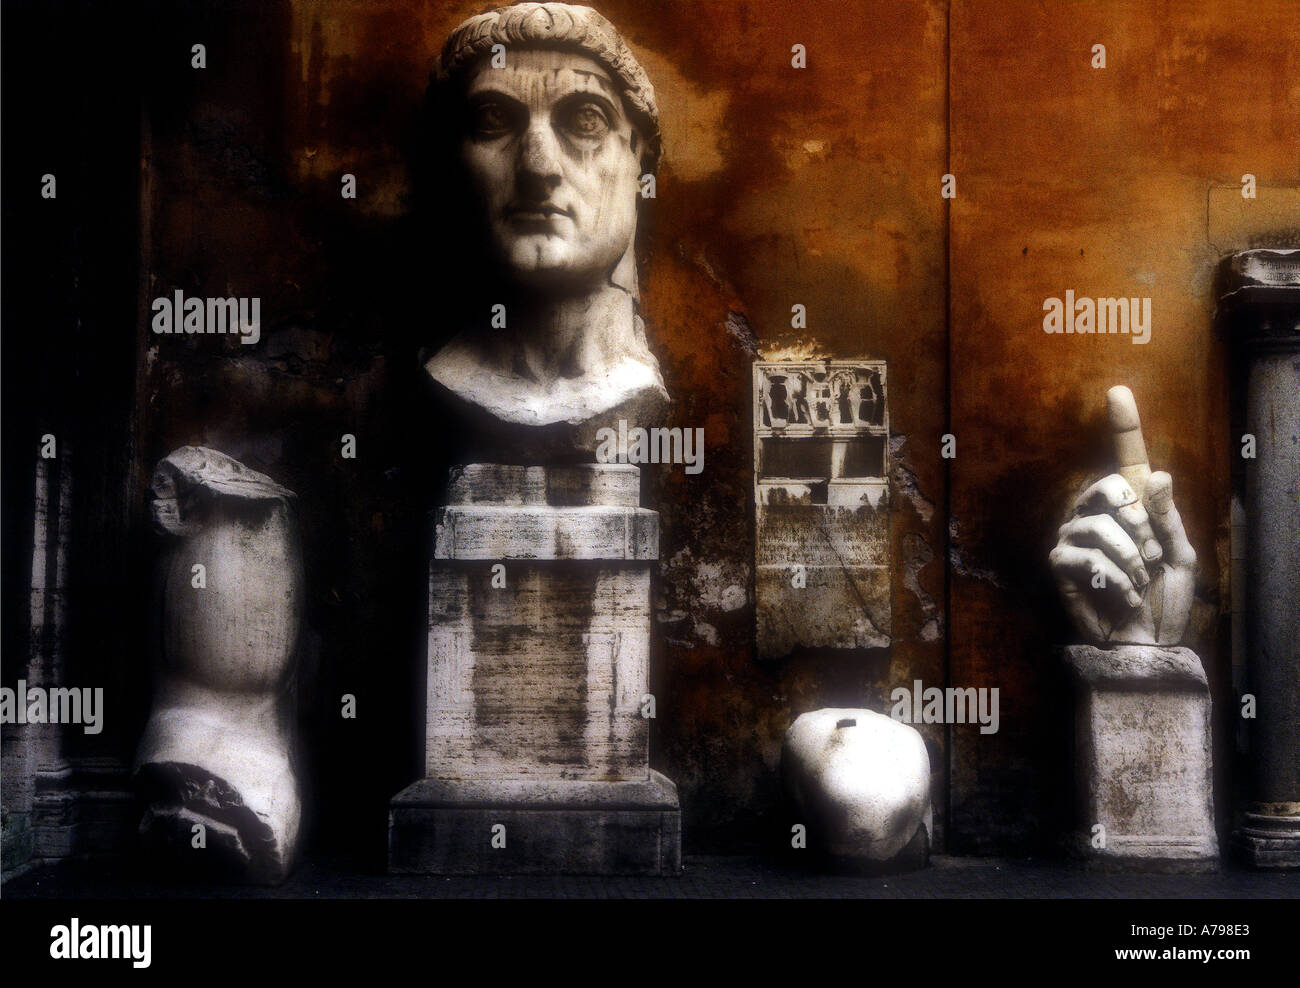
587, 120
491, 119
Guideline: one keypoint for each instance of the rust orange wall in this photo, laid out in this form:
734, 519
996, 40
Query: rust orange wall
1096, 180
778, 186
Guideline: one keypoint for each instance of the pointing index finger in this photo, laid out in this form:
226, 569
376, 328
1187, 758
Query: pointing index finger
1130, 447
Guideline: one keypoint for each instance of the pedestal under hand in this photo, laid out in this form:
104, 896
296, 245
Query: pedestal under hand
1143, 768
1126, 573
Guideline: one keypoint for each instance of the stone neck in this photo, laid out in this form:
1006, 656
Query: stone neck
550, 337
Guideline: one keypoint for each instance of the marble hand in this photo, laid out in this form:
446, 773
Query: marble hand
1122, 562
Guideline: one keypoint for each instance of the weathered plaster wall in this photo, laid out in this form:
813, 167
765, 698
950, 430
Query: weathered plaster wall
1101, 181
786, 186
779, 186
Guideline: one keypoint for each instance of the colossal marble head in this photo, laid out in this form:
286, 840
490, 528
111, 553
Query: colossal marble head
550, 124
554, 138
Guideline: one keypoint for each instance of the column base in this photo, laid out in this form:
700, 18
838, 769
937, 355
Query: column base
450, 827
1267, 841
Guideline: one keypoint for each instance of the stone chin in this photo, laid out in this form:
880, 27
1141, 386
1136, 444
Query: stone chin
548, 263
558, 259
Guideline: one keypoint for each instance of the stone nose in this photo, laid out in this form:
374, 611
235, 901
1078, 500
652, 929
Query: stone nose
539, 162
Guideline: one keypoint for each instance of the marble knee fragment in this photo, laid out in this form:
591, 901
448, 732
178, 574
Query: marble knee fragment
216, 762
860, 781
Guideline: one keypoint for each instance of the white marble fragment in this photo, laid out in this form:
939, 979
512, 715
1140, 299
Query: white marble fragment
217, 752
1122, 562
860, 780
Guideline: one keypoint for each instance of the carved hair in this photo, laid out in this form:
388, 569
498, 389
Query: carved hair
565, 27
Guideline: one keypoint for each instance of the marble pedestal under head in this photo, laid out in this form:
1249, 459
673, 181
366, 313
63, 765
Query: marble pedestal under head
1142, 759
536, 747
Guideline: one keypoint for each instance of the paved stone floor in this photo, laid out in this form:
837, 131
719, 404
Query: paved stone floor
703, 878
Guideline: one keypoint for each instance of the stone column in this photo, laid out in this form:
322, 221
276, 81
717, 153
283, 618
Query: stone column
537, 739
1259, 305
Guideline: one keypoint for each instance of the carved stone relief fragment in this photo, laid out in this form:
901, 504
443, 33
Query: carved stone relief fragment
821, 446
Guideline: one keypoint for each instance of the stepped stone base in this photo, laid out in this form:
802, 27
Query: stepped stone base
1268, 840
444, 827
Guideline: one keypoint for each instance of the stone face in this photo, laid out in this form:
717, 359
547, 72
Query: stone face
1260, 306
218, 746
554, 172
1142, 758
860, 780
821, 435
